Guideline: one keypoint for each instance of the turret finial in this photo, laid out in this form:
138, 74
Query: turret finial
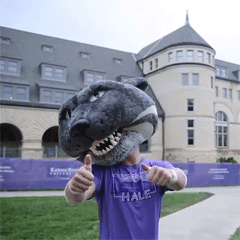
187, 19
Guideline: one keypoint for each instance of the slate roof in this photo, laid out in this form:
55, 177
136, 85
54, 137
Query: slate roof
232, 69
185, 35
28, 47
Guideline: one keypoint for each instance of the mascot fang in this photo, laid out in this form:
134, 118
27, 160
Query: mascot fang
109, 119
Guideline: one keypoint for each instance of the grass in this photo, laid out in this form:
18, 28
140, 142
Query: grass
236, 235
53, 218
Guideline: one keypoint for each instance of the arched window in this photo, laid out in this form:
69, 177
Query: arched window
50, 144
11, 141
221, 130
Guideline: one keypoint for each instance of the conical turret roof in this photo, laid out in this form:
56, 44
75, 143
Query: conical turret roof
185, 35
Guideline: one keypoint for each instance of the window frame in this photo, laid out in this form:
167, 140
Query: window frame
7, 61
200, 57
190, 57
190, 105
14, 93
195, 82
185, 81
220, 126
170, 57
179, 57
54, 76
54, 91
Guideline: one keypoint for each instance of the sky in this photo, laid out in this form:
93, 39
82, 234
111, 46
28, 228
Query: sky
127, 25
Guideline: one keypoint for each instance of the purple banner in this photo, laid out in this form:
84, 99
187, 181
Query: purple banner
211, 174
36, 173
54, 174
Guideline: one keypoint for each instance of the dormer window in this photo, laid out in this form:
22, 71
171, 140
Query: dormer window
118, 61
47, 48
53, 72
90, 77
10, 66
85, 55
4, 40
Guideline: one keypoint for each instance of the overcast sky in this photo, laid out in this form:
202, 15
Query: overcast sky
127, 25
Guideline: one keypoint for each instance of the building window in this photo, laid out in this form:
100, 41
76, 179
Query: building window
170, 57
224, 93
90, 77
190, 105
190, 137
195, 79
55, 95
7, 92
238, 94
218, 71
200, 56
150, 65
208, 58
190, 55
179, 56
211, 82
21, 93
50, 144
14, 92
221, 129
216, 91
85, 55
230, 94
47, 48
118, 61
184, 79
156, 62
51, 72
10, 66
11, 141
4, 40
47, 96
223, 72
190, 123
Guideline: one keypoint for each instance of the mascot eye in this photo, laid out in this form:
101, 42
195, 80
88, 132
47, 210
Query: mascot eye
96, 95
68, 114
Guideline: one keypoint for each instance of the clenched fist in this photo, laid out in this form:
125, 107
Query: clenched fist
83, 178
158, 175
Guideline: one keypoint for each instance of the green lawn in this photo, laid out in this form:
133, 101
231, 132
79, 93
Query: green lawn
236, 235
53, 218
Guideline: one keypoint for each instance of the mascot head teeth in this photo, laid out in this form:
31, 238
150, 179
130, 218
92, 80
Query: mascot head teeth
102, 147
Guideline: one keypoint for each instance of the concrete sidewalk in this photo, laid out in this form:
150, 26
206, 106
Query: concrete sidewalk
215, 218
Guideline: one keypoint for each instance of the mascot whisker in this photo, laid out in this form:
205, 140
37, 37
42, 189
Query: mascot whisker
109, 119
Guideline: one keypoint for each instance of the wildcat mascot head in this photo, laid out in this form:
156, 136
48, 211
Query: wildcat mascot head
109, 119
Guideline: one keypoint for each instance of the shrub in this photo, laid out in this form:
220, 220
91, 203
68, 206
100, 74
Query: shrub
227, 160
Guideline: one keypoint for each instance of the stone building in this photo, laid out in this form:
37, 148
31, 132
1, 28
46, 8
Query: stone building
197, 96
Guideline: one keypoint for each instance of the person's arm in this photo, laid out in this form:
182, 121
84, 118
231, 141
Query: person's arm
81, 186
173, 178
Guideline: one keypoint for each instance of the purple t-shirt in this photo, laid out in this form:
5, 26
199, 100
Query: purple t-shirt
129, 206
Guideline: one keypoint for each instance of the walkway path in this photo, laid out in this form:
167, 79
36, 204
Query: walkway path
215, 218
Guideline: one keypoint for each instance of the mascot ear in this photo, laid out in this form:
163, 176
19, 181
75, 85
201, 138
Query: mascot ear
140, 83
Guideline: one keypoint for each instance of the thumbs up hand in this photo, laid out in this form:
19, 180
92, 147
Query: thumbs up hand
158, 175
83, 179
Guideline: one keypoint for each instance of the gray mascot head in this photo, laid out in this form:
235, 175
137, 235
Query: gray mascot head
109, 119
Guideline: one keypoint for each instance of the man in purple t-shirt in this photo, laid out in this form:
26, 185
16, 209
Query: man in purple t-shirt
129, 194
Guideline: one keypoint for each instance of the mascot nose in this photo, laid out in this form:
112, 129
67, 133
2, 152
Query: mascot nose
79, 127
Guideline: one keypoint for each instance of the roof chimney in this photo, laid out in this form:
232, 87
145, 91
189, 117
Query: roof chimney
187, 19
